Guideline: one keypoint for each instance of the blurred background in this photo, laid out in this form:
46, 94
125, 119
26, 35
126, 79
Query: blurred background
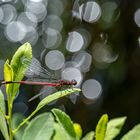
95, 42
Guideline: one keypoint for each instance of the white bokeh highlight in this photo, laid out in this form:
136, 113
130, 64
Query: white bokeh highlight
137, 17
15, 31
75, 42
92, 12
54, 60
91, 89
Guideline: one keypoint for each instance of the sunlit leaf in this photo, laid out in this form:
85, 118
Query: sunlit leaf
8, 76
56, 96
20, 62
89, 136
114, 127
3, 126
133, 134
101, 127
40, 128
78, 130
65, 124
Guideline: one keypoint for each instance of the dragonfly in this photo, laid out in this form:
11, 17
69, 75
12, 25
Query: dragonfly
34, 71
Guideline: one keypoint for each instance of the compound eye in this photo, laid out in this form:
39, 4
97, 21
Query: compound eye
74, 82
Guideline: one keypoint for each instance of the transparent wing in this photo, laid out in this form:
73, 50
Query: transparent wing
36, 70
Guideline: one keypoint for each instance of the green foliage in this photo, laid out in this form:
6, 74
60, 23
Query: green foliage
55, 96
133, 134
101, 128
40, 128
114, 127
67, 127
19, 63
89, 136
43, 126
56, 125
78, 130
16, 120
3, 126
8, 76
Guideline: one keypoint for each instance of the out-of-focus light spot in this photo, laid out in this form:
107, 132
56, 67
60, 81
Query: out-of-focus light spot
31, 36
38, 9
86, 36
75, 42
104, 37
20, 107
139, 41
83, 60
70, 64
1, 14
92, 12
9, 13
15, 31
108, 14
91, 89
54, 60
55, 7
77, 10
36, 0
102, 53
52, 21
137, 17
72, 73
51, 38
27, 18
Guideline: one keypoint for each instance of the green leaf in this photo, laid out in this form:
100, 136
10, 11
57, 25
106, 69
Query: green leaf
78, 130
114, 127
65, 124
133, 134
101, 127
59, 134
20, 62
40, 128
56, 96
3, 126
89, 136
16, 120
8, 76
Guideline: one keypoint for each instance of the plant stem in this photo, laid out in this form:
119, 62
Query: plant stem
25, 121
10, 105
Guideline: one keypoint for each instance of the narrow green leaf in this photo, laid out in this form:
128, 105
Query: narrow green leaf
8, 76
133, 134
56, 96
20, 62
65, 123
114, 127
3, 126
40, 128
89, 136
16, 120
101, 127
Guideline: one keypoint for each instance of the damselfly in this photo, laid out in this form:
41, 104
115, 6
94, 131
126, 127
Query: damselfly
35, 70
